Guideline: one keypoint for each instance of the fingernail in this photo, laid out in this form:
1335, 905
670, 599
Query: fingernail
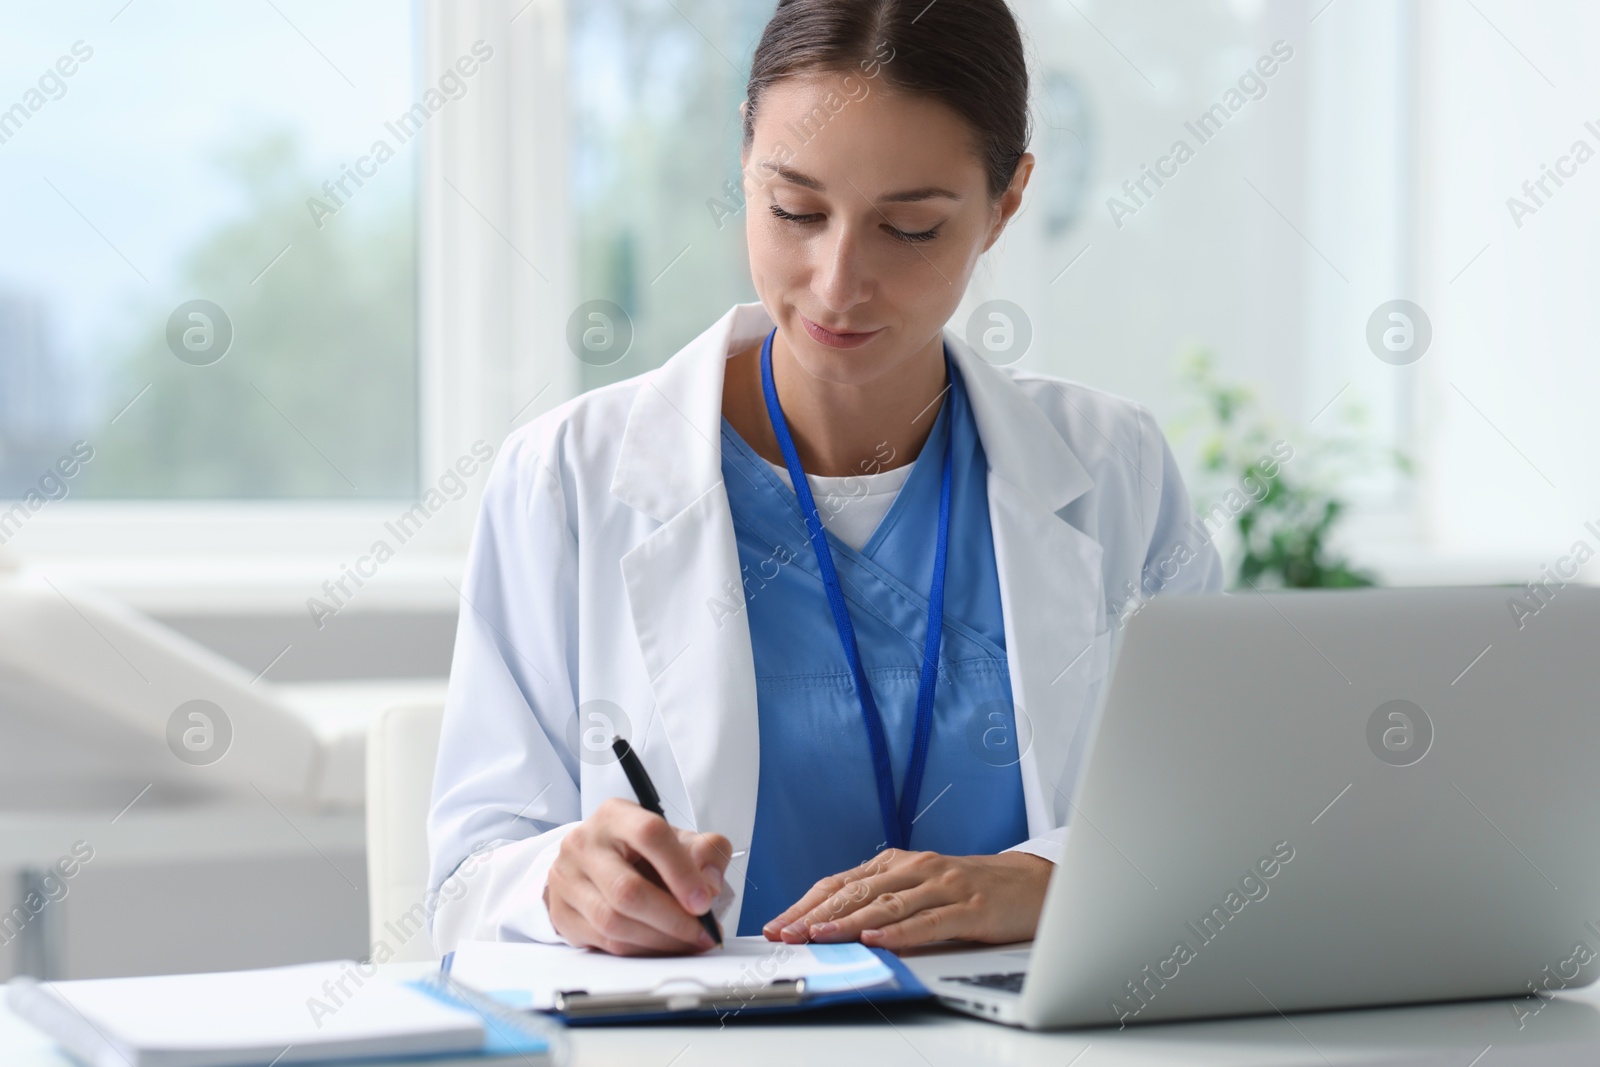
699, 900
797, 928
871, 935
823, 929
705, 940
713, 878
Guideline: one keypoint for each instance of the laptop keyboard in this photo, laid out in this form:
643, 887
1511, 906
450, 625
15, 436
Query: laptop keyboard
1009, 982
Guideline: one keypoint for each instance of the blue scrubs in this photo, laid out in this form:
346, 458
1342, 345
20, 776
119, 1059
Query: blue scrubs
817, 809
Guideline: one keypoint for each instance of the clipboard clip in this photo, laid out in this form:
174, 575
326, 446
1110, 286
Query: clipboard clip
580, 1004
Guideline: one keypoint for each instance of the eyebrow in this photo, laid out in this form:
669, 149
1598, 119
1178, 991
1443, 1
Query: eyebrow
906, 196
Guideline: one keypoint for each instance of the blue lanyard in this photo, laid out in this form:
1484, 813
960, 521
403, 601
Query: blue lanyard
896, 820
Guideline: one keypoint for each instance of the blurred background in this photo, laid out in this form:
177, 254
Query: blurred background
274, 272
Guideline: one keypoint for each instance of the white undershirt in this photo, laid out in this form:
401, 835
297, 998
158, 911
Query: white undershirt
852, 506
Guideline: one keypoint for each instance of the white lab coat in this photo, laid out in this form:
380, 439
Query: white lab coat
604, 567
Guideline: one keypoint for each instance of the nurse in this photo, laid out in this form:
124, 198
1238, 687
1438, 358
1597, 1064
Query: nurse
848, 589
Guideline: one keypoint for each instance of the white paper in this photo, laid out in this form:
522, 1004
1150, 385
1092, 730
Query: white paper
301, 1006
528, 975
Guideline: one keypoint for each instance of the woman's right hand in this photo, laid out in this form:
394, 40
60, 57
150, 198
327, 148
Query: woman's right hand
628, 882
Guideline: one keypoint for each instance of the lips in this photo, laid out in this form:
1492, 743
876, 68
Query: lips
837, 338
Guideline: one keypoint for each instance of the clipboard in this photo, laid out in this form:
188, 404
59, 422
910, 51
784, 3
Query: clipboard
688, 1001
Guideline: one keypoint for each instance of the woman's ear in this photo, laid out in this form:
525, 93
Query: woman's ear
1010, 200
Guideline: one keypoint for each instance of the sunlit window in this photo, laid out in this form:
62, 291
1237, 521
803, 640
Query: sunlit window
208, 286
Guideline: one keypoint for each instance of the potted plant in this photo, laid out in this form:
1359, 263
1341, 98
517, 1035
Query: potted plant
1284, 523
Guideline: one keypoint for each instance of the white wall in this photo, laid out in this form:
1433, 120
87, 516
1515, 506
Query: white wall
1516, 329
1315, 204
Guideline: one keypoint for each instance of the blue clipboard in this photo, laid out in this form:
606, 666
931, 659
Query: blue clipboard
776, 998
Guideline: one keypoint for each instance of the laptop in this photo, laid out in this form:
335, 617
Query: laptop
1305, 800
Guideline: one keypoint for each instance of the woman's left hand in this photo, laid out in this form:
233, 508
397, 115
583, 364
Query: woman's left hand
898, 899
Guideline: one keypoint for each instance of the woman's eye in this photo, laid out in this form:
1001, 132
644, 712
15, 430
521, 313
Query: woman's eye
925, 235
898, 234
789, 217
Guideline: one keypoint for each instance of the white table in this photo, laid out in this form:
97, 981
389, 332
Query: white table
1477, 1034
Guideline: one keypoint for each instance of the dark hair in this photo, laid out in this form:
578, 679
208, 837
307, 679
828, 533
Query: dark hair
967, 54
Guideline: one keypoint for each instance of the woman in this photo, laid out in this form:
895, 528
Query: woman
668, 558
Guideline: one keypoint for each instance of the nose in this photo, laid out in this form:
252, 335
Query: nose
841, 277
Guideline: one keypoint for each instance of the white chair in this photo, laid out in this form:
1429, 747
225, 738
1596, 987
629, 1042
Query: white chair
96, 715
120, 673
402, 745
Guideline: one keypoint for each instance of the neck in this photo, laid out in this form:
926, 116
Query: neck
839, 429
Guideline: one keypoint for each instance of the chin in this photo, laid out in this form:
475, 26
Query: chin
841, 366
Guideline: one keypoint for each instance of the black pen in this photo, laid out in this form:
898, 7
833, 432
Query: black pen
650, 800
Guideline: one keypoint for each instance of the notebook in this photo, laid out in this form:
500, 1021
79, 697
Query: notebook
314, 1012
748, 975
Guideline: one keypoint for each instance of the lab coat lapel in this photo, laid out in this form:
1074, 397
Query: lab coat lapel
685, 594
1051, 585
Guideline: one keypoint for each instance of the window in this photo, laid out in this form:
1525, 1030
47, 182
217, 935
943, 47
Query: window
202, 298
654, 93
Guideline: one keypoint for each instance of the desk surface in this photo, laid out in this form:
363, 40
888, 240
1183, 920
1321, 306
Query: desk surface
1474, 1034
